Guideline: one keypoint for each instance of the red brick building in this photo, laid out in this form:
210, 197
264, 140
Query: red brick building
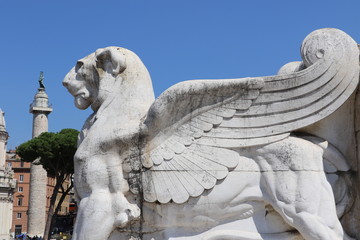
21, 195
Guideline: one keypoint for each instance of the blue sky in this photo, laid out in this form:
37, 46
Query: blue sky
177, 41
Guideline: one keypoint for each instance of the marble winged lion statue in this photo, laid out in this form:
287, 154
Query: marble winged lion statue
249, 158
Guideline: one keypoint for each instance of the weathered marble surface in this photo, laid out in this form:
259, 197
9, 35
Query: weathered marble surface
7, 185
253, 158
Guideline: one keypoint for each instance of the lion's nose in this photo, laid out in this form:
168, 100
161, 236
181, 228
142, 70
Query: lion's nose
65, 83
68, 78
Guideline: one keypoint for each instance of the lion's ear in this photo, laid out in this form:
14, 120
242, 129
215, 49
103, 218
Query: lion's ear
110, 60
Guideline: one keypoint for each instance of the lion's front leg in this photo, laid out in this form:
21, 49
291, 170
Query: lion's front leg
103, 210
103, 203
125, 212
94, 213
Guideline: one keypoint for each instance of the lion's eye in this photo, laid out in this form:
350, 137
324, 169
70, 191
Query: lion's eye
78, 65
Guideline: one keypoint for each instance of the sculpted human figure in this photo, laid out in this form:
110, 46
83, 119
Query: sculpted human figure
41, 79
216, 159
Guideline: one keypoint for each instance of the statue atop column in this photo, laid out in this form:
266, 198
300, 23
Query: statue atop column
41, 79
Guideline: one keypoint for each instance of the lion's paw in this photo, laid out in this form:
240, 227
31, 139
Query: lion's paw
128, 215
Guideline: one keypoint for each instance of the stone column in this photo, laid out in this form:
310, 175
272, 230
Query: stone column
40, 109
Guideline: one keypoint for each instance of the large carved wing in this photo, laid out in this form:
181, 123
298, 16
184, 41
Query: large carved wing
194, 125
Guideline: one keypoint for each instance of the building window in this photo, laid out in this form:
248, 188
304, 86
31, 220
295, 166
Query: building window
18, 229
21, 178
18, 215
20, 189
9, 164
19, 201
21, 164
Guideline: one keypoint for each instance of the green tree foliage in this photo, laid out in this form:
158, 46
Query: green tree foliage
55, 152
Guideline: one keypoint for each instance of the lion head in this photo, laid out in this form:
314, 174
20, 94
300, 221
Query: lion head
110, 73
